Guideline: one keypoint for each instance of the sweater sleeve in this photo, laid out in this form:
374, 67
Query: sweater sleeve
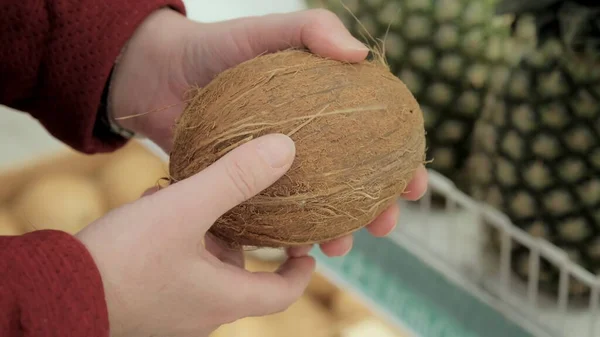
56, 57
50, 287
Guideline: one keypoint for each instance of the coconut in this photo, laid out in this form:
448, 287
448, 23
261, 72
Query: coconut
359, 136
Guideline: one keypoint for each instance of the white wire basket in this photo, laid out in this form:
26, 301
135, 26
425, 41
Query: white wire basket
432, 276
458, 250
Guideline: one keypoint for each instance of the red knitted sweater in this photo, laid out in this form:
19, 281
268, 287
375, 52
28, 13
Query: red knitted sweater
55, 59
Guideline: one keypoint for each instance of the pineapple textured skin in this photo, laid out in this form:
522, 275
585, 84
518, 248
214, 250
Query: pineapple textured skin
536, 154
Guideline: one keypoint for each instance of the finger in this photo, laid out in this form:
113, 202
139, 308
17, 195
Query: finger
150, 191
266, 293
381, 226
299, 251
233, 257
337, 247
236, 177
319, 30
385, 222
418, 185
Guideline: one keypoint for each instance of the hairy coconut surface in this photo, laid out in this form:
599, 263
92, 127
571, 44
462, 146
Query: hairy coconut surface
359, 136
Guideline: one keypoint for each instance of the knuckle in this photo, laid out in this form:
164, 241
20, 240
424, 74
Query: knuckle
281, 307
242, 179
322, 15
250, 304
285, 302
271, 308
261, 306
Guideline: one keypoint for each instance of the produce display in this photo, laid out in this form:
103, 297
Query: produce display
59, 201
69, 199
536, 150
359, 139
123, 181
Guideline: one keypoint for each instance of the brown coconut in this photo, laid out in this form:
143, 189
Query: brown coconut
359, 136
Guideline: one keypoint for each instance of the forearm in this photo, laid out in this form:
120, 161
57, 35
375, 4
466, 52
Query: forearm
50, 286
56, 57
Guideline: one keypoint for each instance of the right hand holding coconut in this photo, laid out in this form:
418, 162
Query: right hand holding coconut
193, 54
160, 279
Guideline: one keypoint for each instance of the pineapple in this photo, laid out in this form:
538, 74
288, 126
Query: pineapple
445, 51
536, 145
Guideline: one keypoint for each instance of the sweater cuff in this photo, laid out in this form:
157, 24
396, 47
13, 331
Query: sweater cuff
50, 287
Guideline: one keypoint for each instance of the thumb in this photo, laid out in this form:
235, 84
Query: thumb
266, 293
319, 30
233, 179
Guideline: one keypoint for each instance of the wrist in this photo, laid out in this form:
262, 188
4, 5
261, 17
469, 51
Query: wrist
116, 314
105, 116
134, 89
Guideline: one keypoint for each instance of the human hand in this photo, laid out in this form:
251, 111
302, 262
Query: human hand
160, 280
169, 53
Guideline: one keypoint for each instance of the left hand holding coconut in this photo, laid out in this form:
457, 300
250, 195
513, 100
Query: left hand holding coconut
160, 279
169, 54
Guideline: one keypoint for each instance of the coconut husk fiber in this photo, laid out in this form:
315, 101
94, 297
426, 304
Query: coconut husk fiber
359, 136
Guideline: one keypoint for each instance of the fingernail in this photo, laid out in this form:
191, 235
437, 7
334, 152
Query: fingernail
299, 251
277, 150
347, 41
347, 251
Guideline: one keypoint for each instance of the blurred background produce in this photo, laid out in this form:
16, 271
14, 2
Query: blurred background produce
59, 201
536, 148
128, 174
9, 224
67, 190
